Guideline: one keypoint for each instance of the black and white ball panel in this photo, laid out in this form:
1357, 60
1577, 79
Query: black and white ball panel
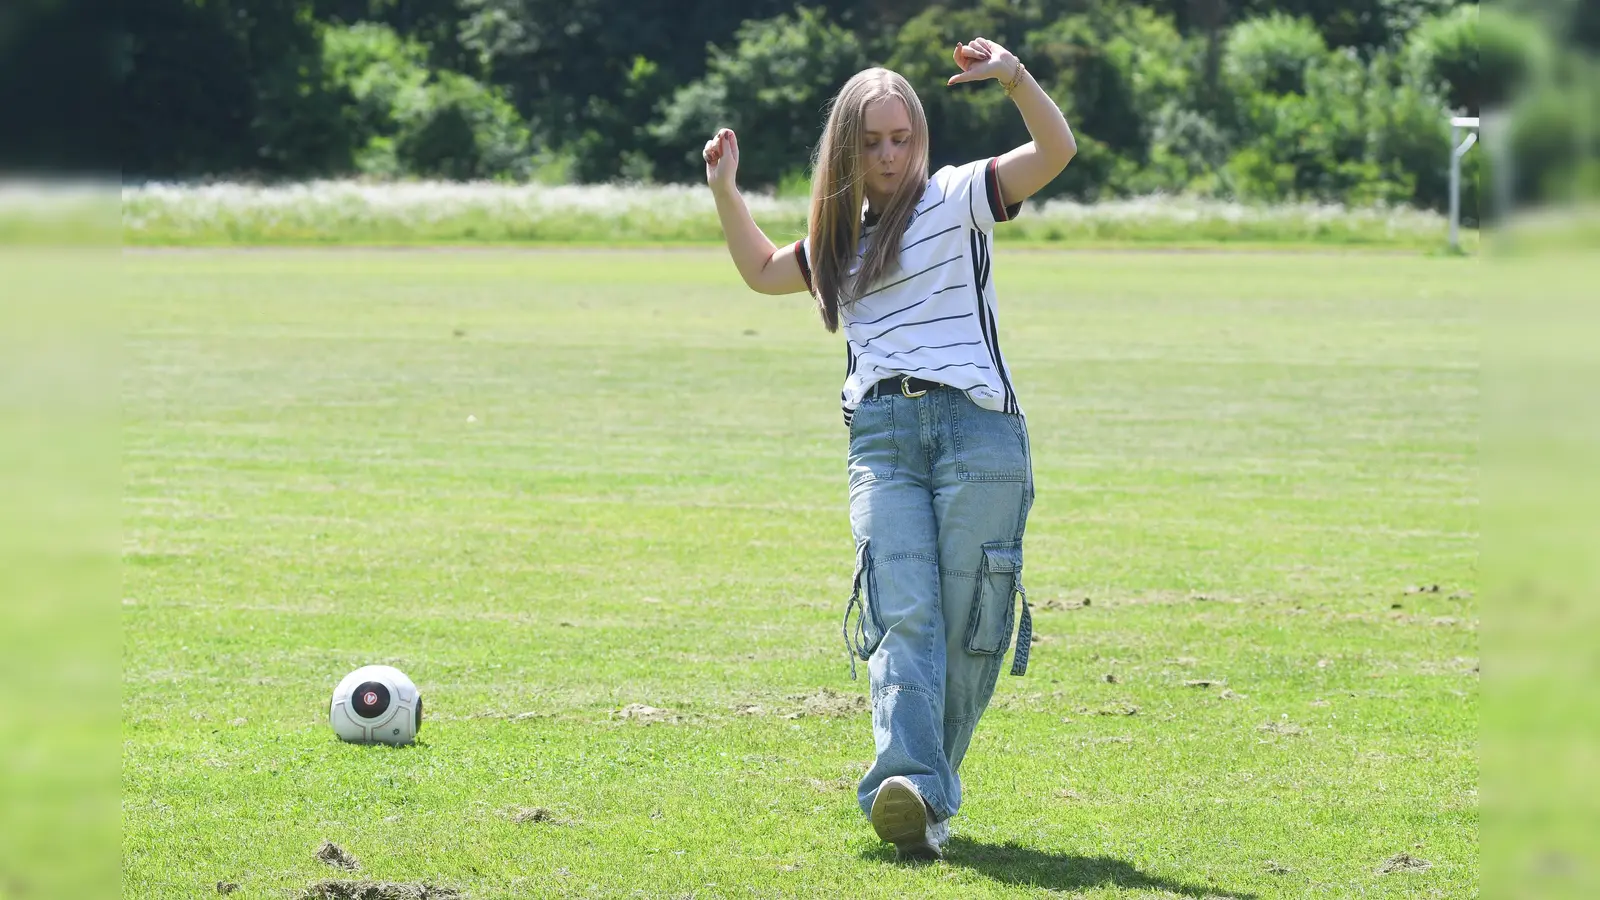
370, 699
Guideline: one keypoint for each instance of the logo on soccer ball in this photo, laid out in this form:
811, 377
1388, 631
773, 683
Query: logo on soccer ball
370, 698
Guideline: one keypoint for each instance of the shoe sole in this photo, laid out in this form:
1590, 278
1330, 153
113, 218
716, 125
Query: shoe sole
899, 817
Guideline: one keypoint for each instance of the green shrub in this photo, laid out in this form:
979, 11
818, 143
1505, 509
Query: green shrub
1271, 55
1187, 150
1409, 134
1114, 68
1443, 52
771, 89
463, 130
409, 121
1479, 59
1310, 143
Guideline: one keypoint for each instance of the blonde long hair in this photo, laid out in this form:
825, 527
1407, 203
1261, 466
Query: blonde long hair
838, 193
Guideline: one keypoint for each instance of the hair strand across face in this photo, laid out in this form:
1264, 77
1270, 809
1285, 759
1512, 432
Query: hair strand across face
838, 193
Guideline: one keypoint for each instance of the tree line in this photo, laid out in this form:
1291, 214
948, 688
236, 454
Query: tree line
1257, 100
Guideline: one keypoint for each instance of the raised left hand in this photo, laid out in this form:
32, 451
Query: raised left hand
982, 59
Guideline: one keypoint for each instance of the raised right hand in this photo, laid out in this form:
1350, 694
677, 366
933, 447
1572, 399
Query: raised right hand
722, 159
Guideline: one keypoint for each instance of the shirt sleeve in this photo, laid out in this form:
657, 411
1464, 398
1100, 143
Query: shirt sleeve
975, 189
802, 255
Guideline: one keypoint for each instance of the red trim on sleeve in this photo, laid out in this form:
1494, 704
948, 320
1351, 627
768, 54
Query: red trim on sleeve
805, 267
992, 180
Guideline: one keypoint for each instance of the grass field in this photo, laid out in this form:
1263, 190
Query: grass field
558, 487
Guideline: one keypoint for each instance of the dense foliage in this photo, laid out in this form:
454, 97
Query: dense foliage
1303, 100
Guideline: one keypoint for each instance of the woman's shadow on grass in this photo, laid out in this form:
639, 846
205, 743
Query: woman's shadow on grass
1013, 863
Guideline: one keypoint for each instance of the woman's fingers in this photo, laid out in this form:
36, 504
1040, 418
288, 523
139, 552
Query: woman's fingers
723, 145
968, 55
977, 60
717, 146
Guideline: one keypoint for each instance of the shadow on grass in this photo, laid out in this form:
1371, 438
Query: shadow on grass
1012, 863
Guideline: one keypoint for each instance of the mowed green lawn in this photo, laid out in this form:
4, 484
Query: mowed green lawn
555, 486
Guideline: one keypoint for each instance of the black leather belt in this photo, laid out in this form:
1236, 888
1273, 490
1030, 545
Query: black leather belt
903, 385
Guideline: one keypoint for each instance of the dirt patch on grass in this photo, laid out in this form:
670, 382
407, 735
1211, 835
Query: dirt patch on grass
537, 814
378, 890
1119, 708
642, 714
1283, 728
842, 783
1063, 604
1167, 598
1403, 862
1460, 665
338, 857
1400, 617
824, 703
828, 704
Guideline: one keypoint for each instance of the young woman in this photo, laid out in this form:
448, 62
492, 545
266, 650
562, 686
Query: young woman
941, 480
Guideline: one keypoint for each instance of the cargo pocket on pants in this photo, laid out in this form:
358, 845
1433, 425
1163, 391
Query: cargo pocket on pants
869, 631
999, 582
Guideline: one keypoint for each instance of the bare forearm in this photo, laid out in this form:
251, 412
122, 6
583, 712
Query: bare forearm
747, 244
1051, 134
1024, 171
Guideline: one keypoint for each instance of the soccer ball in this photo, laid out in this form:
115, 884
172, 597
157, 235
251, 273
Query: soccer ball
376, 704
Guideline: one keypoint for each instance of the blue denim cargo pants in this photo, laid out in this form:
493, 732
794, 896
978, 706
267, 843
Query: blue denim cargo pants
940, 490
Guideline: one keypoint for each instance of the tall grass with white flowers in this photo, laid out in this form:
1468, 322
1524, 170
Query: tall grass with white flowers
440, 213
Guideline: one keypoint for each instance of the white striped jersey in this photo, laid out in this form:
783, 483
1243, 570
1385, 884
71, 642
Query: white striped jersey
933, 317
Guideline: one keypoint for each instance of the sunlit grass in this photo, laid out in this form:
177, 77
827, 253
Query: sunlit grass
553, 485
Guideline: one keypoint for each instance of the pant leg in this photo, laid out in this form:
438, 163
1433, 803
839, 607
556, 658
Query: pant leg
901, 631
983, 492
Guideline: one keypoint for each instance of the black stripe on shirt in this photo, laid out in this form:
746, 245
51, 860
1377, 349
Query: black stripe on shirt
932, 347
971, 213
880, 334
928, 238
909, 277
977, 366
993, 332
980, 279
916, 304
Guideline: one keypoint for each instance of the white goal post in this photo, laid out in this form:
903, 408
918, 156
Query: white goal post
1457, 151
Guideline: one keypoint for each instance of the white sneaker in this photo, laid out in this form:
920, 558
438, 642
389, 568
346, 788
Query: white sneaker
900, 817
